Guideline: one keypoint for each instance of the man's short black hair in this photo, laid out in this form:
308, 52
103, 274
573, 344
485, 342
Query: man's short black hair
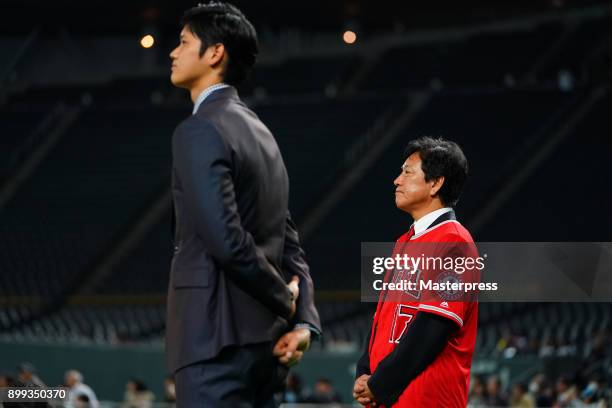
217, 22
442, 158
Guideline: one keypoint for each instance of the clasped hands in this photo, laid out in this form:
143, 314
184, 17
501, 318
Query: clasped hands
291, 346
362, 393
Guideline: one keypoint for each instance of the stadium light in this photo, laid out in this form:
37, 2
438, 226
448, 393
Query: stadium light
349, 37
147, 41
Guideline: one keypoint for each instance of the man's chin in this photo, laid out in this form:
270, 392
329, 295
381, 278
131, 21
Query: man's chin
177, 82
401, 206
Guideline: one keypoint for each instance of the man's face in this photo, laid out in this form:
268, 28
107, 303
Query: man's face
492, 386
411, 189
187, 65
70, 380
323, 388
25, 376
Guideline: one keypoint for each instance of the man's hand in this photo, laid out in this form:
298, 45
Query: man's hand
291, 346
295, 290
361, 391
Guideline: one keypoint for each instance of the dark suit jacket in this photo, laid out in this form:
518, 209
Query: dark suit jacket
235, 244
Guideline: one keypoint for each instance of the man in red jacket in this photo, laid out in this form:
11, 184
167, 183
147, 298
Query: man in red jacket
419, 350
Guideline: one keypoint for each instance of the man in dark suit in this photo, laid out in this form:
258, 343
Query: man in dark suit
234, 323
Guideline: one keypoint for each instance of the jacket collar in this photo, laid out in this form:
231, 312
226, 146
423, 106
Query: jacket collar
431, 219
446, 217
225, 93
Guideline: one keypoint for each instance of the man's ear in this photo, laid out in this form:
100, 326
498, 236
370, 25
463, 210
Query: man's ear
216, 54
436, 186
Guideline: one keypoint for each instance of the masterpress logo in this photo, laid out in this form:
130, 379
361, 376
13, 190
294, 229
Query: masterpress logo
447, 272
430, 278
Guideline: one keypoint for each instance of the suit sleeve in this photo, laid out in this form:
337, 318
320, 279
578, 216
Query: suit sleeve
204, 165
410, 357
294, 263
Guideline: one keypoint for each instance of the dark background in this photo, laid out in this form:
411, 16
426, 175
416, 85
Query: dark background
86, 117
